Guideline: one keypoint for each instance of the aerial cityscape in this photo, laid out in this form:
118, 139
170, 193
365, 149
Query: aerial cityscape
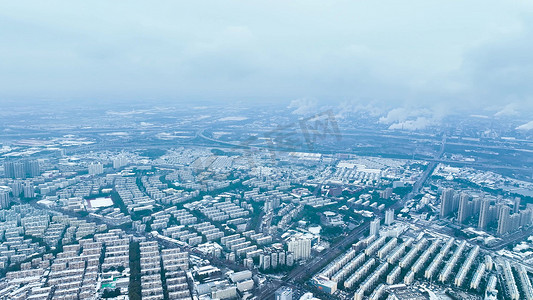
280, 150
220, 202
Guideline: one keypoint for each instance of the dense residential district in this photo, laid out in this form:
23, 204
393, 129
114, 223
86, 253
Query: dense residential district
199, 223
210, 220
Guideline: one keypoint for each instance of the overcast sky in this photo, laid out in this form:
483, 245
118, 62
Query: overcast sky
418, 53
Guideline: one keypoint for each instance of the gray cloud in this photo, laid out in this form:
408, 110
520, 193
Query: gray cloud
525, 127
410, 118
510, 109
416, 124
439, 56
303, 106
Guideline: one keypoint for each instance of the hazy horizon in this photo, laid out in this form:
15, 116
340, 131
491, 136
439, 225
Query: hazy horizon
438, 57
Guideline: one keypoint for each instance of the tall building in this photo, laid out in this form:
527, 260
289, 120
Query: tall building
374, 226
266, 262
290, 259
29, 190
274, 260
484, 214
16, 188
514, 223
446, 202
96, 168
455, 202
32, 168
19, 170
389, 216
281, 258
261, 260
300, 247
9, 169
120, 161
499, 206
464, 208
526, 216
503, 221
516, 205
386, 194
5, 198
284, 293
475, 206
